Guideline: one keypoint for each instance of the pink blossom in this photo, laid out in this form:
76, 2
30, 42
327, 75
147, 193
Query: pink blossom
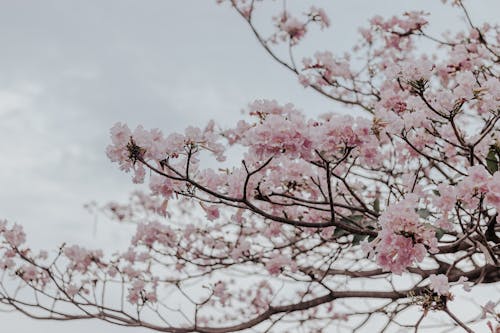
403, 239
80, 258
467, 286
29, 273
277, 263
294, 28
367, 249
15, 235
319, 15
140, 173
340, 316
120, 134
135, 291
7, 263
161, 185
488, 308
447, 197
72, 290
439, 283
444, 223
154, 232
220, 291
212, 212
493, 193
474, 184
466, 84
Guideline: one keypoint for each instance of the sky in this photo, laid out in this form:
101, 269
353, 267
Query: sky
71, 69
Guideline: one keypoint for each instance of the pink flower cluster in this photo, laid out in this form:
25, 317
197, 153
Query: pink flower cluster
277, 263
81, 258
15, 235
403, 238
439, 283
152, 232
397, 28
283, 130
319, 15
140, 292
470, 189
291, 27
127, 147
325, 69
31, 274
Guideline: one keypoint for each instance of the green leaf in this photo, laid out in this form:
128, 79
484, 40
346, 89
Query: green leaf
357, 239
492, 161
353, 219
376, 205
339, 232
423, 213
440, 233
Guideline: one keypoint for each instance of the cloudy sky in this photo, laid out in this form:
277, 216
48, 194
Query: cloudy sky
70, 69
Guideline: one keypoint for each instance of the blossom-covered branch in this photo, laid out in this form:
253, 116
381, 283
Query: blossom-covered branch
320, 210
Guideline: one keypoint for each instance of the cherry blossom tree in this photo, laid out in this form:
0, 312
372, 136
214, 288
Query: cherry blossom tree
347, 223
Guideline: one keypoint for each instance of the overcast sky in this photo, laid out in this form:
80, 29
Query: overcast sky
70, 69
